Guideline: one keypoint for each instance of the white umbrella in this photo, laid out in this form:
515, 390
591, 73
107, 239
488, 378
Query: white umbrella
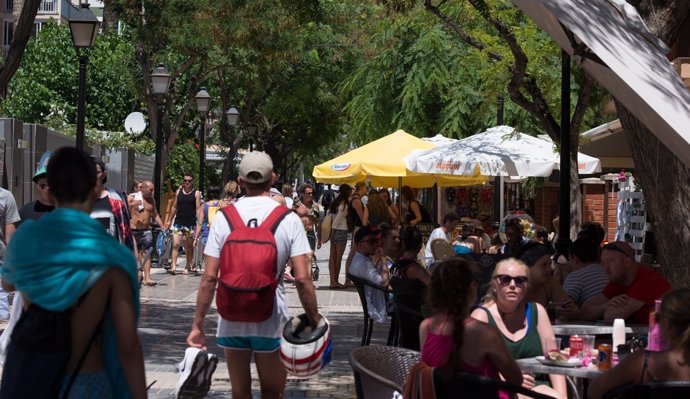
500, 151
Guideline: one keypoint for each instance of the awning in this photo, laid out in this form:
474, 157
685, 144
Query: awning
610, 41
608, 143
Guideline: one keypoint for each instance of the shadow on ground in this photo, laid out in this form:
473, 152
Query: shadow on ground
163, 330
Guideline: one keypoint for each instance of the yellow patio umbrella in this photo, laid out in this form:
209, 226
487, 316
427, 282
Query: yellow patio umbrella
381, 163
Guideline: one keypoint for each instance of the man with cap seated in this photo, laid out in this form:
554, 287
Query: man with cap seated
631, 291
34, 210
367, 244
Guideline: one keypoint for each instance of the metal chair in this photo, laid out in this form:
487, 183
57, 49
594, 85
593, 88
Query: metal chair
408, 297
652, 390
475, 386
359, 284
381, 370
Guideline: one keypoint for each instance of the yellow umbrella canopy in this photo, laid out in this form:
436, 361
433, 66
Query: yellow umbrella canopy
381, 162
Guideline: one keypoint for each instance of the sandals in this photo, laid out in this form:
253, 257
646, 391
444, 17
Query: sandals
171, 271
337, 287
150, 283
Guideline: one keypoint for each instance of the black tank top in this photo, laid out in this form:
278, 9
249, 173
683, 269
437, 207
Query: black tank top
186, 209
354, 215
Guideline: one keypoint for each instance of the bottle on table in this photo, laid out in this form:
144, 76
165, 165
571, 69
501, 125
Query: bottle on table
618, 333
655, 341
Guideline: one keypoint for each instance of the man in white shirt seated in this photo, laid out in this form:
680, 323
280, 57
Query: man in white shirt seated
368, 244
450, 222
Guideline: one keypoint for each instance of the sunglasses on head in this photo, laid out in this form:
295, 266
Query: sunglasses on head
505, 280
614, 247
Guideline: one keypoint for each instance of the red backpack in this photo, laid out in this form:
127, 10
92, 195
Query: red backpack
247, 283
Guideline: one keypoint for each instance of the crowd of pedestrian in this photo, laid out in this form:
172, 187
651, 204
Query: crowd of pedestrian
85, 280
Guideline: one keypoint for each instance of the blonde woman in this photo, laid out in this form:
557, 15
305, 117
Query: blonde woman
376, 211
524, 325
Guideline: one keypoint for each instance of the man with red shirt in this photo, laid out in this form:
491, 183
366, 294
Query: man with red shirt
631, 291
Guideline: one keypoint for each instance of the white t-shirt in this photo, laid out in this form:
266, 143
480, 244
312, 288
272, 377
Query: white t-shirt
291, 240
436, 233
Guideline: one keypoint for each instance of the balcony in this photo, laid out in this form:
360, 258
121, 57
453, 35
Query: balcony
47, 7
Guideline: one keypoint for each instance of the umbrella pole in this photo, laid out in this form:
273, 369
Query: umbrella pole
399, 200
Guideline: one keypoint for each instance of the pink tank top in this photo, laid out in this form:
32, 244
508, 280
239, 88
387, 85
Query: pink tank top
437, 347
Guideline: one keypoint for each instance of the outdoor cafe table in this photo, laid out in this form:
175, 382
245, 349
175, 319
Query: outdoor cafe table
596, 329
586, 373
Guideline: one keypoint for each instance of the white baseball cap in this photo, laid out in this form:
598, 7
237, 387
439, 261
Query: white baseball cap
259, 163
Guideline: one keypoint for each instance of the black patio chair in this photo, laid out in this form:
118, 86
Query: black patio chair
475, 386
381, 370
486, 263
359, 284
652, 390
408, 298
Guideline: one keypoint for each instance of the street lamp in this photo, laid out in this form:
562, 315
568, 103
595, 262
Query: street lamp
251, 132
202, 101
83, 26
232, 115
160, 81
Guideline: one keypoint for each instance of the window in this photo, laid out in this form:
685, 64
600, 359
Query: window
9, 5
37, 28
8, 33
47, 6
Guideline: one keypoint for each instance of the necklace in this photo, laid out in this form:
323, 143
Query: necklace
187, 193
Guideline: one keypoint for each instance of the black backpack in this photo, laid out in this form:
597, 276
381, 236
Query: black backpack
38, 354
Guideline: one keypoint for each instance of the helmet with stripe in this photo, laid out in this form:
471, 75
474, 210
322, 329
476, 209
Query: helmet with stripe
303, 351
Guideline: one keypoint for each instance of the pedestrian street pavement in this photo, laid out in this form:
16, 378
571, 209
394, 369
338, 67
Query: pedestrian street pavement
167, 311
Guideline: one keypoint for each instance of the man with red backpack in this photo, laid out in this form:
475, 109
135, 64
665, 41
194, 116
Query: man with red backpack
248, 246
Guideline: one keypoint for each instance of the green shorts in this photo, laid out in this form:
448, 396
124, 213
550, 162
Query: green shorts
255, 344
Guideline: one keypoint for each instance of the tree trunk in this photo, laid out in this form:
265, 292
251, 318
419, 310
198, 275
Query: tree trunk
664, 181
109, 17
663, 177
22, 33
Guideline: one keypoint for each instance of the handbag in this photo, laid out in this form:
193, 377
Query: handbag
326, 229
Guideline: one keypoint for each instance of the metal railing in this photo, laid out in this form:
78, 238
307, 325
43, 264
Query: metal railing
47, 6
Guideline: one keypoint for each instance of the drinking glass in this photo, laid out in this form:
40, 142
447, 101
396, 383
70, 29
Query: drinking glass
587, 346
551, 344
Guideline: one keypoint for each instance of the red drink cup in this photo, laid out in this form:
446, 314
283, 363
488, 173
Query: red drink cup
576, 345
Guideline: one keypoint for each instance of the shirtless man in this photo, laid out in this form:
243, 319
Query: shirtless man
185, 207
142, 213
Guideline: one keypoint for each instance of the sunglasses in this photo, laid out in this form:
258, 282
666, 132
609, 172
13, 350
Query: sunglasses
43, 186
187, 180
505, 280
308, 193
614, 247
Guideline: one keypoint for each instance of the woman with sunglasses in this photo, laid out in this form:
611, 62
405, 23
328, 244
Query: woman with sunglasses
524, 325
671, 364
455, 341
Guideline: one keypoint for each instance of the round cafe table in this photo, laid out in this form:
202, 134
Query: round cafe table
585, 373
596, 329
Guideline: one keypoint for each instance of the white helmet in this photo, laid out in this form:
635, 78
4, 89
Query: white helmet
304, 352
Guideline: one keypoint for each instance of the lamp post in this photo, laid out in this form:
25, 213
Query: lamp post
251, 132
83, 26
202, 101
160, 81
232, 116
